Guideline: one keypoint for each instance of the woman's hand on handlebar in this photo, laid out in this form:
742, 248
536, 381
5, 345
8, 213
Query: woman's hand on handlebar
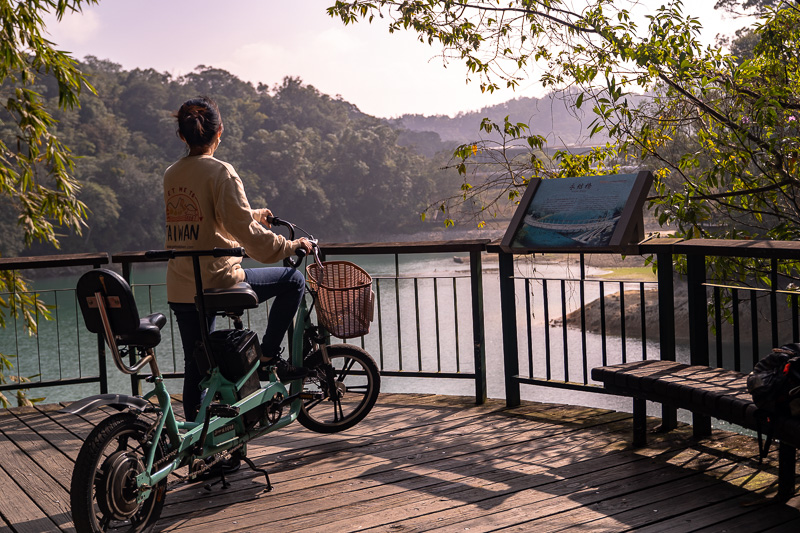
264, 216
305, 245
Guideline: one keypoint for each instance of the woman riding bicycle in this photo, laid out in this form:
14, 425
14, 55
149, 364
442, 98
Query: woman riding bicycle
206, 207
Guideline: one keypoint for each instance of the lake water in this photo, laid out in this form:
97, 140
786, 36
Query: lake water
429, 330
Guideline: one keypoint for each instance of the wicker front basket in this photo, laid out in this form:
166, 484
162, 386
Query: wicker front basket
345, 301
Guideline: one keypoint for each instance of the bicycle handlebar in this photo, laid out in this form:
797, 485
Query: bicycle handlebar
300, 254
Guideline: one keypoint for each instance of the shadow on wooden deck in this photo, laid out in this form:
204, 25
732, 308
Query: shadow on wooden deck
422, 463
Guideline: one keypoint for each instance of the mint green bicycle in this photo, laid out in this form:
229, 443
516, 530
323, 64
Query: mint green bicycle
131, 459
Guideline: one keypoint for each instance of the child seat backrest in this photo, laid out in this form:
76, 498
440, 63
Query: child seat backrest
117, 297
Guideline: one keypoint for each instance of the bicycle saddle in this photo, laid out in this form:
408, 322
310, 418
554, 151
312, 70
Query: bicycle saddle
231, 300
120, 309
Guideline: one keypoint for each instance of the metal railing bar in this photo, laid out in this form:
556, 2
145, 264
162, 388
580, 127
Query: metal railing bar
643, 313
773, 299
38, 337
414, 374
528, 318
78, 336
737, 355
718, 323
16, 322
588, 280
546, 304
603, 337
564, 328
455, 324
58, 336
754, 326
380, 322
50, 383
414, 276
416, 314
397, 310
623, 339
436, 324
582, 298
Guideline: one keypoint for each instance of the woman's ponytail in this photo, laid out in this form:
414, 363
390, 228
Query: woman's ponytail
199, 122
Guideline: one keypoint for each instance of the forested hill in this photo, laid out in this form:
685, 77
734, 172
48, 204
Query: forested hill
556, 118
311, 158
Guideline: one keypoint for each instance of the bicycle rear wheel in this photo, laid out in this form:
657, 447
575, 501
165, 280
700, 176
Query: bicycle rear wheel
350, 386
103, 489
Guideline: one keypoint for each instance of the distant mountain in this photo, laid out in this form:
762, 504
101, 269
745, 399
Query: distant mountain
554, 117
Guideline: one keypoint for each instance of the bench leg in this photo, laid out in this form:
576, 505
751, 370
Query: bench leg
669, 418
787, 455
701, 425
639, 423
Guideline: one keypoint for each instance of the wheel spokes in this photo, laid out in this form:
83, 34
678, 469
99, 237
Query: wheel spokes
338, 412
311, 404
346, 367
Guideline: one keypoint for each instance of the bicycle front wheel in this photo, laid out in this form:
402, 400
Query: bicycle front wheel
349, 385
103, 490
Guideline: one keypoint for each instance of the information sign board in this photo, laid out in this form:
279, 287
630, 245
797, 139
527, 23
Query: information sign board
591, 213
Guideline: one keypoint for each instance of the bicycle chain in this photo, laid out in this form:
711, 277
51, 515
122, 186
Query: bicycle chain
193, 474
157, 464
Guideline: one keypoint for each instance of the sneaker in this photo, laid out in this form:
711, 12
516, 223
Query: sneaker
286, 371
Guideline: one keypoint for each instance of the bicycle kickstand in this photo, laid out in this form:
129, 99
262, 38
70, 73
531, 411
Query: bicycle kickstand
253, 467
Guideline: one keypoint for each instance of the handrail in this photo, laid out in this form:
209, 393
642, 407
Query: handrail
366, 248
741, 248
54, 261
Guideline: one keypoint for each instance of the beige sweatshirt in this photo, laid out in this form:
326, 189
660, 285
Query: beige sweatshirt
207, 208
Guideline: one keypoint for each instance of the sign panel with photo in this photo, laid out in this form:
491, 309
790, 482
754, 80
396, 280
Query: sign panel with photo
592, 213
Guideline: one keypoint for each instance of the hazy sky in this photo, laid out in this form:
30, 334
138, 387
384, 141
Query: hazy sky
384, 74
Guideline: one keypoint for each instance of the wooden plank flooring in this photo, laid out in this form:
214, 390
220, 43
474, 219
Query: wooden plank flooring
422, 463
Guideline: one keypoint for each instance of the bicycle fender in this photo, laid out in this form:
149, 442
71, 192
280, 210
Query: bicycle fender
118, 401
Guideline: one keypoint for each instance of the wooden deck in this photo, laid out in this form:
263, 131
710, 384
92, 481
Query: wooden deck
432, 463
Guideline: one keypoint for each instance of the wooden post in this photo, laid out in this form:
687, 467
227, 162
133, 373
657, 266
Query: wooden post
666, 327
698, 327
478, 330
508, 308
639, 423
787, 456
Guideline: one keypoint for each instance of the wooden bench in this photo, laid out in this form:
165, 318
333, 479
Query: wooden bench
706, 392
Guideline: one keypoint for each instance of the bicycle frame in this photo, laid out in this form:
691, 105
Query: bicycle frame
209, 434
121, 471
219, 434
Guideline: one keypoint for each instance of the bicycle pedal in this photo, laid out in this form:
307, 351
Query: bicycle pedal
312, 396
223, 411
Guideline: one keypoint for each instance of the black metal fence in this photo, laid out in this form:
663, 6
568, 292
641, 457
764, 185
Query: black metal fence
86, 360
552, 328
426, 326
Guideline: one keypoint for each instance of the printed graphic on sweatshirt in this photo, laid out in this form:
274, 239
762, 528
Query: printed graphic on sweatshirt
183, 215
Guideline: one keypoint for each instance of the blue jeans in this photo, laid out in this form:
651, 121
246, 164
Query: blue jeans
286, 285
